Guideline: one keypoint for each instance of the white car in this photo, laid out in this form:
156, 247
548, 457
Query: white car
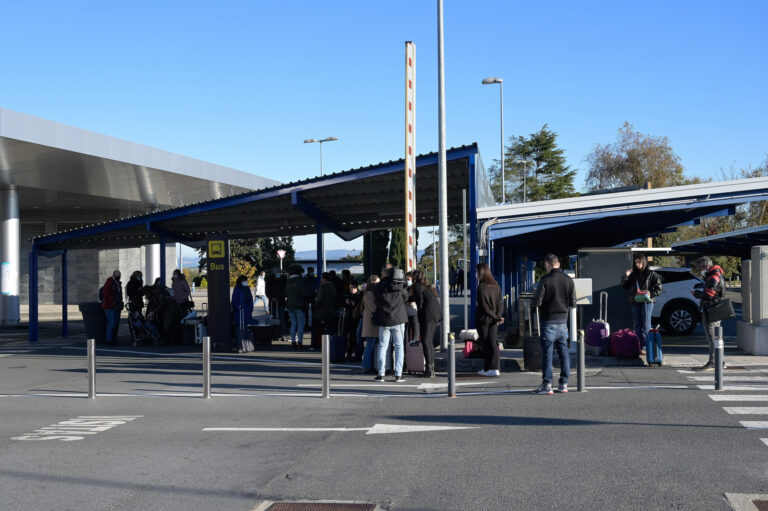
676, 309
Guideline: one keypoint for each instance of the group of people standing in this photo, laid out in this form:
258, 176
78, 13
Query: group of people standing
112, 302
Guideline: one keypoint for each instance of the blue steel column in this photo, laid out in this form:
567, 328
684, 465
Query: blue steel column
162, 259
64, 289
34, 331
472, 240
320, 251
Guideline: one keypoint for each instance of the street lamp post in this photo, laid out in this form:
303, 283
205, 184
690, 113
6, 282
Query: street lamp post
327, 139
489, 81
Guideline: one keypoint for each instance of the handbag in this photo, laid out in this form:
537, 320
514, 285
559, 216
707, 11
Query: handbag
642, 296
718, 311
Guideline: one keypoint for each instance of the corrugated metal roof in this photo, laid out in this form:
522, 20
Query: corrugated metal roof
350, 202
735, 243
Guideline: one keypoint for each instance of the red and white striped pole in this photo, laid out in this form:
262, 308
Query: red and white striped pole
410, 155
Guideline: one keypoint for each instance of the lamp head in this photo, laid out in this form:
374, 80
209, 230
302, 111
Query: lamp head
492, 79
329, 139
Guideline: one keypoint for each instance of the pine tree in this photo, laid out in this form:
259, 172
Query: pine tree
397, 244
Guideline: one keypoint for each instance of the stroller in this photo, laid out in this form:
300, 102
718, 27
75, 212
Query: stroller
140, 329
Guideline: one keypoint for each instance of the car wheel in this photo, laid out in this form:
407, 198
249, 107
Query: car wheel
679, 318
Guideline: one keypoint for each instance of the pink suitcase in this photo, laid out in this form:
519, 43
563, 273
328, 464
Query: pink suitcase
625, 344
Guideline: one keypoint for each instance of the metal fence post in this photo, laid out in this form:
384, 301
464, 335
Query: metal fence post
582, 377
206, 367
719, 353
326, 366
91, 345
451, 365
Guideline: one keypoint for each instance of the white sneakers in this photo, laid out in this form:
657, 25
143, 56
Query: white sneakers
490, 372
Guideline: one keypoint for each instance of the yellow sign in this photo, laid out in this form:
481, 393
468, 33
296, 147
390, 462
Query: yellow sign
216, 249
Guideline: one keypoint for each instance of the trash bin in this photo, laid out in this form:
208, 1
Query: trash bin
95, 321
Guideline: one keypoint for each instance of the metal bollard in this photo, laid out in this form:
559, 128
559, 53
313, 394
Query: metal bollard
206, 367
91, 344
719, 354
580, 350
326, 364
451, 365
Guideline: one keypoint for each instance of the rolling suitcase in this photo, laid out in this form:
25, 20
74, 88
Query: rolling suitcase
653, 354
338, 342
244, 336
598, 332
414, 357
625, 344
532, 344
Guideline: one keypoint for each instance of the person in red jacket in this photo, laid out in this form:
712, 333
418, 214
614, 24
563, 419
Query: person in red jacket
112, 305
714, 289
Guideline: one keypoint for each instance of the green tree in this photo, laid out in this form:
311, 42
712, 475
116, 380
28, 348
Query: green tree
375, 243
541, 161
397, 245
269, 248
635, 159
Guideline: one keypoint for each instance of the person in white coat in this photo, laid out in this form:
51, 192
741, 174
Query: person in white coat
261, 291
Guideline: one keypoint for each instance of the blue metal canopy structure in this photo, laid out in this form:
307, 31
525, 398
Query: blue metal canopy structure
348, 203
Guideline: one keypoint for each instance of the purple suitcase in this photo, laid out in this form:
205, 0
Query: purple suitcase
625, 344
598, 332
414, 357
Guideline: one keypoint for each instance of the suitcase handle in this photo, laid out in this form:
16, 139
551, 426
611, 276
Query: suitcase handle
530, 321
603, 299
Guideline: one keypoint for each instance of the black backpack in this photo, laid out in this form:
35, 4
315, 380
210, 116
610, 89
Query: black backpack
101, 294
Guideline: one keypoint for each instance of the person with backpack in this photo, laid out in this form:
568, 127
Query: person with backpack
643, 286
390, 316
714, 289
112, 304
324, 309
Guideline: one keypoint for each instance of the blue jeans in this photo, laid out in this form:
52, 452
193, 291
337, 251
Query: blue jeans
370, 342
113, 322
641, 315
557, 334
297, 325
395, 334
264, 301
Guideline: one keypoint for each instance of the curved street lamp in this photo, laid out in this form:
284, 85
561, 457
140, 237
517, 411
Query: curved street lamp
490, 81
313, 140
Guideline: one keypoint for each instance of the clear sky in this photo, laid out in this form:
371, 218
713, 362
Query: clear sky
243, 83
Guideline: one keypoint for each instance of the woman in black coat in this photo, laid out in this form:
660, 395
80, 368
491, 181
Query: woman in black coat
429, 312
488, 317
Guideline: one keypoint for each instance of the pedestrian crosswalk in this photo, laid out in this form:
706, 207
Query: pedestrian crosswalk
747, 380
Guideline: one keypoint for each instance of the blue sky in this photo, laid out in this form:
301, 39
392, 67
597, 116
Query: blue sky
242, 84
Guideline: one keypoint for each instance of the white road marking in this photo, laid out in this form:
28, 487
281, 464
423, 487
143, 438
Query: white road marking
376, 429
421, 386
735, 387
754, 371
764, 440
746, 410
3, 355
639, 387
755, 424
73, 429
711, 377
738, 397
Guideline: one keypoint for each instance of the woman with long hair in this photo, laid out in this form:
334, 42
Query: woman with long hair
488, 317
429, 312
643, 285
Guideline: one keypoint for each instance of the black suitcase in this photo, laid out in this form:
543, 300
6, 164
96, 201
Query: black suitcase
338, 342
244, 336
532, 344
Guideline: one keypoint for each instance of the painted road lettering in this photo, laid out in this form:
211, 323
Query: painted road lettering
75, 429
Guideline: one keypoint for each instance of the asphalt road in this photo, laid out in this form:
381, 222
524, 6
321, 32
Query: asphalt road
640, 438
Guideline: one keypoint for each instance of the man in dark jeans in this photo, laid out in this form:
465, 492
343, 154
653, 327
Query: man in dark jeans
713, 292
554, 297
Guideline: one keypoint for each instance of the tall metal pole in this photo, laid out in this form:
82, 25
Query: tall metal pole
434, 258
525, 180
443, 203
321, 157
464, 242
501, 100
719, 353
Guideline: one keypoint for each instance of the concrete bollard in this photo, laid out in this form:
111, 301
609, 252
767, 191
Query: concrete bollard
719, 356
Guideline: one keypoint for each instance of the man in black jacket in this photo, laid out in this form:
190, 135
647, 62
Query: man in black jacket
390, 316
554, 297
712, 293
